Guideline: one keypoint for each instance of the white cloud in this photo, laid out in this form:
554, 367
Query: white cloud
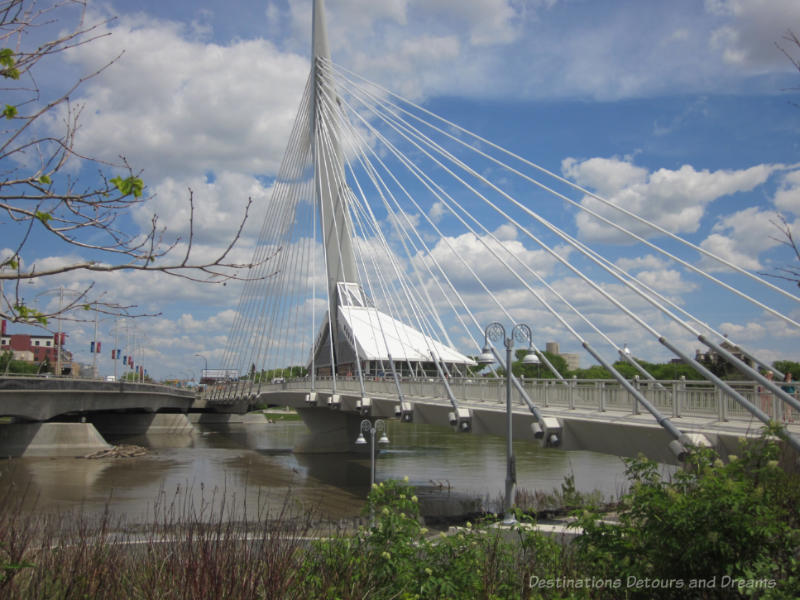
745, 333
740, 238
437, 211
506, 232
487, 21
787, 197
751, 29
648, 261
165, 347
174, 105
666, 281
673, 199
460, 255
606, 175
218, 206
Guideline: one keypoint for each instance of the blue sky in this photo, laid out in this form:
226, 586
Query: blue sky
639, 100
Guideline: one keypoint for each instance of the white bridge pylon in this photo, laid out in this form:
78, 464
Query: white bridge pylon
394, 236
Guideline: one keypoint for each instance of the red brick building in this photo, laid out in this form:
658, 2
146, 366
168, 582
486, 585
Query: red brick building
33, 348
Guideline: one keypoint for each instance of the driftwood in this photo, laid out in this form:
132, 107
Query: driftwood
122, 451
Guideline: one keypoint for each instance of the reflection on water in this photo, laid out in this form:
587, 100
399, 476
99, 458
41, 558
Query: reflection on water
252, 463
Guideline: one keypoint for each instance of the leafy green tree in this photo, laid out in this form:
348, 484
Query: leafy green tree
662, 371
593, 372
540, 371
9, 365
293, 372
788, 366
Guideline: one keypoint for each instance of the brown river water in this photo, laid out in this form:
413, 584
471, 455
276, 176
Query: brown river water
252, 465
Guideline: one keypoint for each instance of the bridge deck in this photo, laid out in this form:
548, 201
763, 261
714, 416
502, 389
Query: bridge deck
42, 399
596, 415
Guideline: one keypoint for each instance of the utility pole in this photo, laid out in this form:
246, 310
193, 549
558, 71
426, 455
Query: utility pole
94, 346
116, 347
58, 335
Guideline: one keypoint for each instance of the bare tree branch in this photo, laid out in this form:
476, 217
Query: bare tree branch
786, 238
793, 40
39, 196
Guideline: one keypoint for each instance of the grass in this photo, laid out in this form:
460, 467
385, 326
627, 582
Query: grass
215, 549
275, 414
280, 416
187, 551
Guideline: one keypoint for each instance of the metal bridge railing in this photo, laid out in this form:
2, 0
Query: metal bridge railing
674, 398
45, 384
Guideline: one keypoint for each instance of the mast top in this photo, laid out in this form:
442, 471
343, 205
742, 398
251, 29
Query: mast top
319, 33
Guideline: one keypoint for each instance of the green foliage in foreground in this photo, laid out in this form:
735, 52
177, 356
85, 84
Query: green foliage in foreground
734, 526
395, 558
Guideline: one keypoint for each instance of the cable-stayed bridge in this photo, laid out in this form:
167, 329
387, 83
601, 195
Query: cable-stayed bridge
395, 237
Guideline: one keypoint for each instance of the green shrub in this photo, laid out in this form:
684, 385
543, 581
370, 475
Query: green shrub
395, 558
711, 524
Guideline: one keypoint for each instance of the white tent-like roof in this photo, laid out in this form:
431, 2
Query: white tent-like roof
375, 335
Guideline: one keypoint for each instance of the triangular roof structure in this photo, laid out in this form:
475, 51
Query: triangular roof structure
376, 336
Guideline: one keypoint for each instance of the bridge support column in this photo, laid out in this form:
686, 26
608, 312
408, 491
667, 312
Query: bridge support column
329, 431
50, 439
142, 423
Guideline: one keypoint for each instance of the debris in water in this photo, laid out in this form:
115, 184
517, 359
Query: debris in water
122, 451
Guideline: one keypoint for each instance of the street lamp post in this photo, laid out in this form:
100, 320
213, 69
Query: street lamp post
58, 345
372, 429
521, 333
533, 359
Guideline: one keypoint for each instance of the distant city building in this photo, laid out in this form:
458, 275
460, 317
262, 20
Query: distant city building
35, 348
713, 358
32, 348
573, 359
215, 375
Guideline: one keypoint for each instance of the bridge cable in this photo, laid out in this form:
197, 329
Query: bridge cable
535, 216
330, 65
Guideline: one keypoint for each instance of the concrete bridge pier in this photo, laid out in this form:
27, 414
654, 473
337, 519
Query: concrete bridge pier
87, 435
329, 431
111, 424
50, 439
